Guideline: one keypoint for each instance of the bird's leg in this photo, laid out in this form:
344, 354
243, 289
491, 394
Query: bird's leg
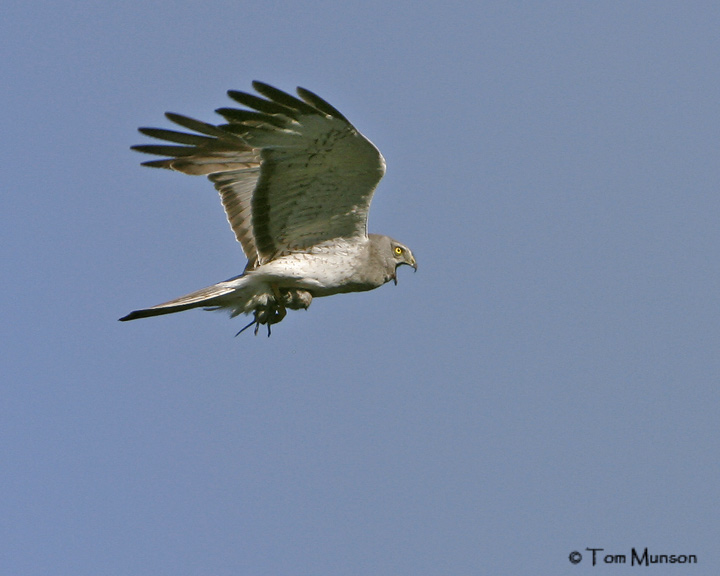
280, 312
259, 317
272, 313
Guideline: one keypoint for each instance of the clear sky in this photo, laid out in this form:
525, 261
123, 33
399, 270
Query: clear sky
546, 383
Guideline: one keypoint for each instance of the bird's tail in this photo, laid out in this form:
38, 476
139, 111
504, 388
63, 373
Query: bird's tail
234, 295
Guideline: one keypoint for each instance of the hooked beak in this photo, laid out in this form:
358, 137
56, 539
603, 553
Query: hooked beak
412, 264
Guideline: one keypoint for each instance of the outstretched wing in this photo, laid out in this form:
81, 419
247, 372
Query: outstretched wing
291, 172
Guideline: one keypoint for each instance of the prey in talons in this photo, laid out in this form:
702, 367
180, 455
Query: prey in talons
276, 307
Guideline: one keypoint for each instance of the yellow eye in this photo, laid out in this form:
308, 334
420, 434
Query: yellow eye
398, 250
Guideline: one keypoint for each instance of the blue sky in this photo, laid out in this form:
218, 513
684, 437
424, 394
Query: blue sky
547, 382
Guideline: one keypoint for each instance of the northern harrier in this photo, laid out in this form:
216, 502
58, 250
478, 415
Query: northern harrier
296, 180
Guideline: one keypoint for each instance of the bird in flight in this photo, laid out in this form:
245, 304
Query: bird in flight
296, 180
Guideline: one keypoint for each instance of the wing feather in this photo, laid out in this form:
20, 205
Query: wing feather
240, 117
175, 136
266, 106
291, 172
284, 98
315, 100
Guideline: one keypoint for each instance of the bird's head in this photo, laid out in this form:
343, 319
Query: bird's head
401, 254
389, 254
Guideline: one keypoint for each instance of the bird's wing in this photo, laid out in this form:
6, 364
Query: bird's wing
292, 172
232, 165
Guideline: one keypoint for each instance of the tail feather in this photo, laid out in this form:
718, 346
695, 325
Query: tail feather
212, 296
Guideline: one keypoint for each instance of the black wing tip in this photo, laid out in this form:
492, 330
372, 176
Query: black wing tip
234, 93
143, 149
323, 105
267, 105
277, 101
195, 125
173, 116
284, 99
260, 86
185, 121
238, 116
157, 164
